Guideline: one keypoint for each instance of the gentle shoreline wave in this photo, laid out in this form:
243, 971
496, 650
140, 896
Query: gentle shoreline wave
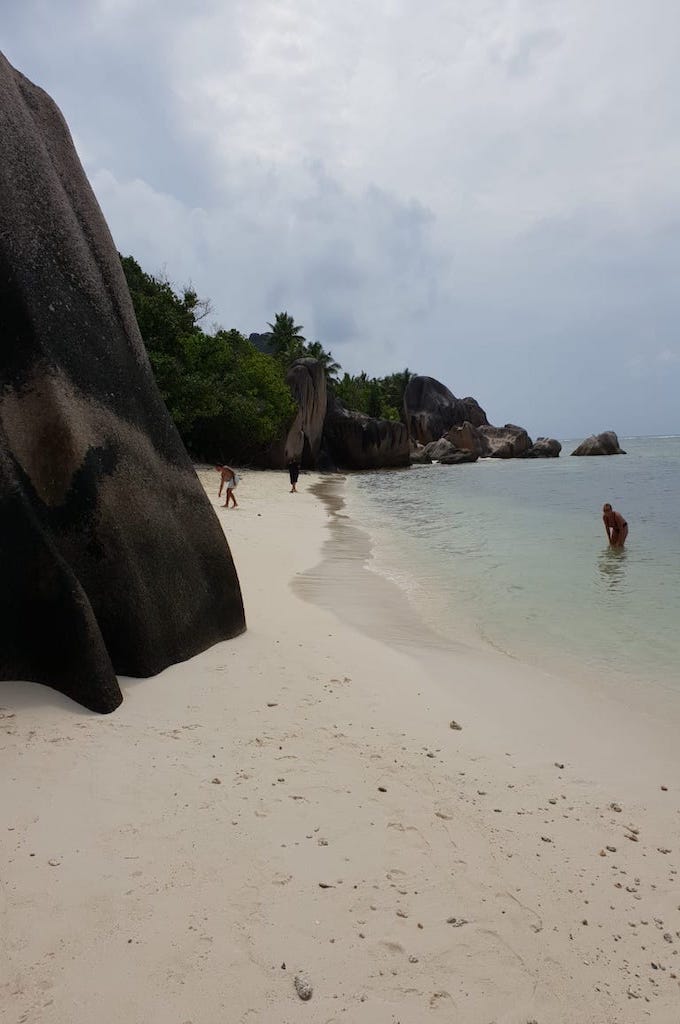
514, 559
347, 583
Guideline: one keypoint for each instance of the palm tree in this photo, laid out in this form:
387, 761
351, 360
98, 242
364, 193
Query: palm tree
315, 350
287, 341
395, 386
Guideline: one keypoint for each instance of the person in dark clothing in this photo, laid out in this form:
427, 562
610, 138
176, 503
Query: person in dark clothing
294, 473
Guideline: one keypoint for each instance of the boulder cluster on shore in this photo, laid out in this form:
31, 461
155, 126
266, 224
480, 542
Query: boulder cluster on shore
436, 427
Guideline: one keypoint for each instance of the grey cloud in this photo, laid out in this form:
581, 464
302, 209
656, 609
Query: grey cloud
498, 207
529, 49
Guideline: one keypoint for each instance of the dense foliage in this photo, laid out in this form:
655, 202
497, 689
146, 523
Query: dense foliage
382, 397
228, 399
286, 341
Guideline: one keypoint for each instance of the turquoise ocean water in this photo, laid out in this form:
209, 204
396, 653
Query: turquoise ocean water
513, 554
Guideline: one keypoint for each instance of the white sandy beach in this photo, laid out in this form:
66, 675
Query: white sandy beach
295, 802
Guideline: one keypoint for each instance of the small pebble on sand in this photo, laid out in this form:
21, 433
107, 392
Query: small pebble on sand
303, 987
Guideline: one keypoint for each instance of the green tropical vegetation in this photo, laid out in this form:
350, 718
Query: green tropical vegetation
226, 397
382, 397
317, 351
287, 343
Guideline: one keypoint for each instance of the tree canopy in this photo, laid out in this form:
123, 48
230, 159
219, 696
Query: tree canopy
228, 399
225, 397
382, 397
286, 340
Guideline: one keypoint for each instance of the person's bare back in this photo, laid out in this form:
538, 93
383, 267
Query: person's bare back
229, 480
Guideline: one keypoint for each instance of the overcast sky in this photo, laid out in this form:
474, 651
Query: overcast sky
485, 191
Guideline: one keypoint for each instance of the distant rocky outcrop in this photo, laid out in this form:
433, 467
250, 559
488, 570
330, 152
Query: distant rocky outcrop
467, 443
508, 442
458, 456
112, 558
606, 443
466, 438
436, 450
544, 448
262, 342
307, 381
430, 409
353, 440
445, 452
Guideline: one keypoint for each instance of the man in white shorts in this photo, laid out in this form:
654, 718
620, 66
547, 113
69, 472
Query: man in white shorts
229, 479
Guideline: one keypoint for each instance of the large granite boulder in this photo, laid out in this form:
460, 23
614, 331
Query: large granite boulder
353, 440
466, 438
419, 456
436, 450
544, 448
600, 444
431, 409
458, 456
508, 442
112, 558
307, 381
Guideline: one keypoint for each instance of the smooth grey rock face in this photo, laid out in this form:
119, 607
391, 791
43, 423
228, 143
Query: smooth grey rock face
307, 381
606, 443
112, 558
431, 409
356, 441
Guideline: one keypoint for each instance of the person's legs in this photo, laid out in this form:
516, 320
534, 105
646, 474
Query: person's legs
619, 537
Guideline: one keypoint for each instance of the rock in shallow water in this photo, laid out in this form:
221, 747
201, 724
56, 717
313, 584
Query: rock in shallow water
606, 443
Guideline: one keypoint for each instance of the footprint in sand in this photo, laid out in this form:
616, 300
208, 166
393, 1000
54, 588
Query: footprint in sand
414, 834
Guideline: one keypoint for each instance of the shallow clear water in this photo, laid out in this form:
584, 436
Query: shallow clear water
514, 554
